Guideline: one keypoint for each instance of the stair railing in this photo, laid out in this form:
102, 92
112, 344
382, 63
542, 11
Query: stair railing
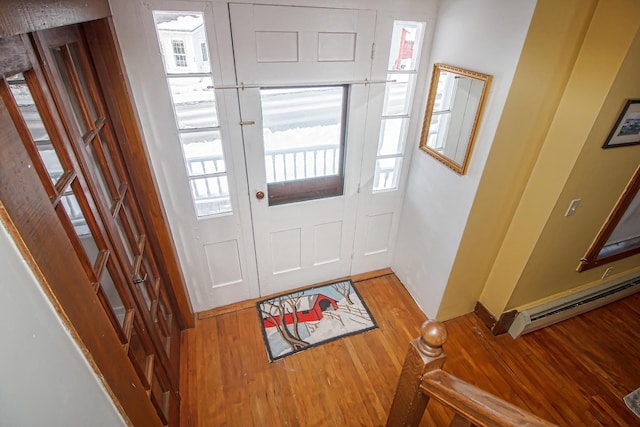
422, 378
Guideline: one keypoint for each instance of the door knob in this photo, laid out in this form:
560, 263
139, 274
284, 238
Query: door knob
259, 195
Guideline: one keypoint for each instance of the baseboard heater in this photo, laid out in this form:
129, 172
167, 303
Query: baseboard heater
556, 311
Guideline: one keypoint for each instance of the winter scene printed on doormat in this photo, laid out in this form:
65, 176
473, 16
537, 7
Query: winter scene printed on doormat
303, 319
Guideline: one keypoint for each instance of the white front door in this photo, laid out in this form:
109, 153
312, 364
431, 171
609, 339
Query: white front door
303, 109
238, 99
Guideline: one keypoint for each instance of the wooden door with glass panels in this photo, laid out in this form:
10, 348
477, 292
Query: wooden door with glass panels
64, 126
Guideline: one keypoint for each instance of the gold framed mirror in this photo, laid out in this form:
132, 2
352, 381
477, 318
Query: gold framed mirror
456, 100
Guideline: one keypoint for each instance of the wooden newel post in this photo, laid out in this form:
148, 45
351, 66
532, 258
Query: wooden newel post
425, 354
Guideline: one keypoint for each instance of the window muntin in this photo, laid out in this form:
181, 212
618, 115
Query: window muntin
404, 56
304, 139
179, 54
193, 100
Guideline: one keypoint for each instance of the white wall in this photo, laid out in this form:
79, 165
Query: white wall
485, 36
44, 377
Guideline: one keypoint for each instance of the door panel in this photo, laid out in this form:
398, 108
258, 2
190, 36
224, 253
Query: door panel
311, 240
124, 255
47, 196
318, 45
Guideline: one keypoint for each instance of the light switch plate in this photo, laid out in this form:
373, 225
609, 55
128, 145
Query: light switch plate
573, 206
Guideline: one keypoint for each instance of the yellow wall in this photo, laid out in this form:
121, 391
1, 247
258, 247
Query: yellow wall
570, 84
598, 178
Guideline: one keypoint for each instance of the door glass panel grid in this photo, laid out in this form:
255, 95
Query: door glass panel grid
111, 287
146, 284
101, 170
135, 221
111, 152
88, 111
183, 35
166, 318
66, 69
404, 57
129, 242
139, 354
51, 163
117, 314
160, 397
81, 67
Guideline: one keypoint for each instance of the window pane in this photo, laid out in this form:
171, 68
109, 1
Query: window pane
203, 152
113, 300
405, 45
76, 108
182, 35
74, 212
387, 174
302, 131
183, 44
31, 116
194, 102
75, 56
392, 136
211, 195
398, 95
103, 177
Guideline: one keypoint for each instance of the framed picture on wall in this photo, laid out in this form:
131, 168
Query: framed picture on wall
627, 129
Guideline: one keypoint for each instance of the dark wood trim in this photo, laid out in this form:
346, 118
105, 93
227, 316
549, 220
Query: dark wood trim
107, 59
19, 17
504, 322
591, 259
496, 326
45, 245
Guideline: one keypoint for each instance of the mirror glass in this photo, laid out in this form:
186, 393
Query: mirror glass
454, 107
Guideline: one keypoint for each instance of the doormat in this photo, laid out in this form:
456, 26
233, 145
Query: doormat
304, 319
633, 401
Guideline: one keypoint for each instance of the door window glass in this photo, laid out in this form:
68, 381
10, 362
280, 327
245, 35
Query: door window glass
304, 138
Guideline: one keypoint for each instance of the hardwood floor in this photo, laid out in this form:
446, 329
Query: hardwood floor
574, 373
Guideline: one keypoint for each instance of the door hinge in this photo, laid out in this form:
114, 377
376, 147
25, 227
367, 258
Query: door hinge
373, 50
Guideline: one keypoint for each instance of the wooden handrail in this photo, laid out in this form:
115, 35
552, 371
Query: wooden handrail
474, 404
422, 378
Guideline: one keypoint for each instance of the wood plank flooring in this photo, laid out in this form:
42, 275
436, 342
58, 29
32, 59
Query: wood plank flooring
574, 373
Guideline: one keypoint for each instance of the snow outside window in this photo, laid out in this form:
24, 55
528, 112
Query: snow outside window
194, 105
